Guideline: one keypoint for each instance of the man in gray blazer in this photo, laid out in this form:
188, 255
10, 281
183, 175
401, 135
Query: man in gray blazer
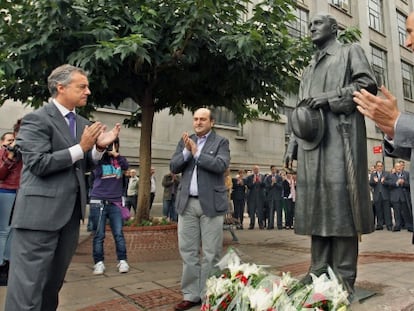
397, 125
201, 203
51, 200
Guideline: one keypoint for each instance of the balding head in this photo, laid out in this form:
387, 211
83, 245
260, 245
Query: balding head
202, 121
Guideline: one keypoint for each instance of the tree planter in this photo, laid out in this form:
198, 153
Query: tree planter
144, 243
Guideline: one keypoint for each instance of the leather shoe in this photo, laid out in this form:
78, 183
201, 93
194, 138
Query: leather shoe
379, 228
395, 229
389, 228
186, 304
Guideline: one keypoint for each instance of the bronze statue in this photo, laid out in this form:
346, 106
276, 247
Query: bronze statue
329, 136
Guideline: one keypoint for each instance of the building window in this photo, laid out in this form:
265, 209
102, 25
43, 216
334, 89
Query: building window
407, 77
401, 28
375, 14
379, 65
342, 4
299, 27
224, 116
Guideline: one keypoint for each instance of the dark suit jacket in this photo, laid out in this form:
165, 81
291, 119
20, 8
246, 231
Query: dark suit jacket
50, 182
400, 192
239, 191
256, 190
274, 192
213, 161
380, 190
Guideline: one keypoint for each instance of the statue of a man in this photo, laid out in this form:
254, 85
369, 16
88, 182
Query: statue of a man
332, 200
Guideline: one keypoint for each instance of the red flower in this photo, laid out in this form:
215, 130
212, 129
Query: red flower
241, 277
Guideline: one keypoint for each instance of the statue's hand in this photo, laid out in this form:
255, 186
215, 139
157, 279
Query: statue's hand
317, 102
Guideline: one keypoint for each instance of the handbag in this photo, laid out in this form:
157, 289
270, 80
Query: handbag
125, 213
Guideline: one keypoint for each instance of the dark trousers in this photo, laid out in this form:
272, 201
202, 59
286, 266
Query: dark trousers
290, 212
39, 263
340, 253
152, 196
131, 201
239, 209
279, 213
383, 212
256, 209
401, 213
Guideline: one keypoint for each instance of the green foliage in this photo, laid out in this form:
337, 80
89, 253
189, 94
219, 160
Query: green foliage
181, 53
147, 222
349, 35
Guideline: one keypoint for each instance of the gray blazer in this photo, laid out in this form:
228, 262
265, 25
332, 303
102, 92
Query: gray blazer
214, 159
49, 182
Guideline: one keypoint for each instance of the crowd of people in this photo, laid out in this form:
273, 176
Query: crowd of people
265, 197
391, 197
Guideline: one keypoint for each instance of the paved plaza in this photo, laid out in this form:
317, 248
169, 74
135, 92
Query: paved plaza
386, 268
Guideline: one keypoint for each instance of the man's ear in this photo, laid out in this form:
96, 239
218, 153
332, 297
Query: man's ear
334, 27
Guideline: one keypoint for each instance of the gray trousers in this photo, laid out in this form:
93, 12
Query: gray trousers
196, 230
38, 264
340, 253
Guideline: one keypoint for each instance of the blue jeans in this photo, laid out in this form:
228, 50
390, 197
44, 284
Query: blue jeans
168, 210
99, 214
6, 205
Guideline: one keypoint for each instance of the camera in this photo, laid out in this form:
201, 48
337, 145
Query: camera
16, 151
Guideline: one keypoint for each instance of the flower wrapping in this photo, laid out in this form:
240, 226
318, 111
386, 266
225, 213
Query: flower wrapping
249, 287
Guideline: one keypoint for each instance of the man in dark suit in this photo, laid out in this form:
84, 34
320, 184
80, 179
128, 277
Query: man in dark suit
273, 184
238, 196
51, 200
201, 203
256, 197
381, 196
399, 186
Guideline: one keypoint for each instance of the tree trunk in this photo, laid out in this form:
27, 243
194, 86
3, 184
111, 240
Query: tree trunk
145, 158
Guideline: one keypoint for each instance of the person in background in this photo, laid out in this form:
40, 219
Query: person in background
153, 186
58, 147
290, 215
256, 197
170, 183
381, 197
287, 200
399, 185
132, 191
274, 186
106, 203
201, 158
238, 195
10, 168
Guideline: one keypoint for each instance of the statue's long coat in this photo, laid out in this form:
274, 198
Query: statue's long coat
322, 200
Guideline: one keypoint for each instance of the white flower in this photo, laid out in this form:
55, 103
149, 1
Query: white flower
260, 299
249, 287
217, 286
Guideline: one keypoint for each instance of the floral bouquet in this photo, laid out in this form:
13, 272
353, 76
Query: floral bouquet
244, 287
